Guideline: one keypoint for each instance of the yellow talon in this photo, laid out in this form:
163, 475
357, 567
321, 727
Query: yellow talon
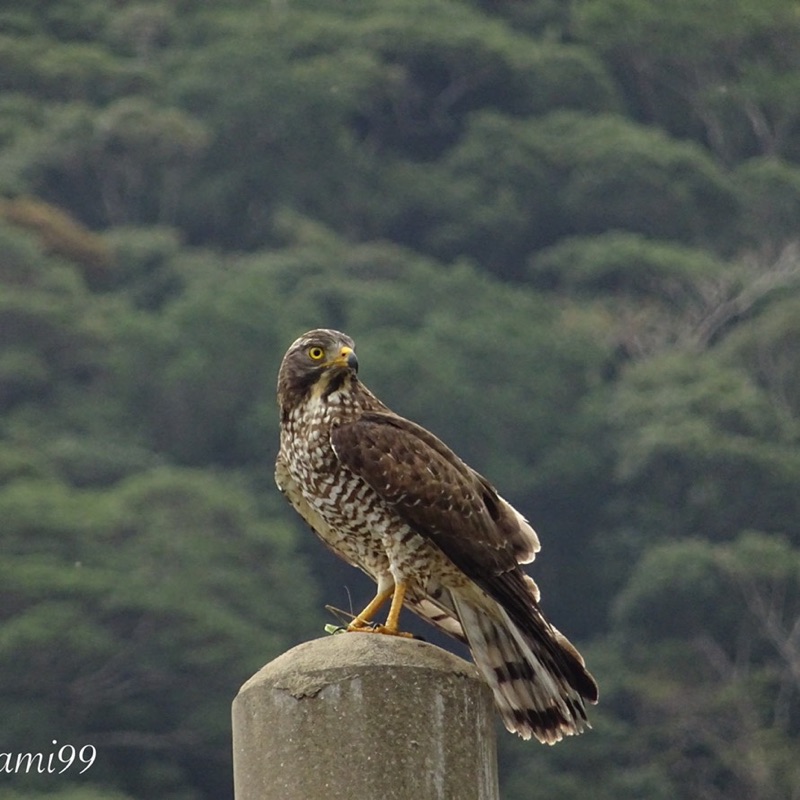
362, 622
383, 630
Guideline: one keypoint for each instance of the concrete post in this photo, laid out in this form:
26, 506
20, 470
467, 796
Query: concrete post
359, 716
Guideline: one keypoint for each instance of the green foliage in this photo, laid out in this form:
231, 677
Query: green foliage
770, 189
132, 615
514, 186
623, 176
144, 259
619, 263
50, 69
44, 341
722, 71
127, 163
702, 450
564, 237
708, 629
82, 792
767, 348
208, 398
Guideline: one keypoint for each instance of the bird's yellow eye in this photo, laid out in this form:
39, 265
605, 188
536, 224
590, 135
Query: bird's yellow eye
316, 353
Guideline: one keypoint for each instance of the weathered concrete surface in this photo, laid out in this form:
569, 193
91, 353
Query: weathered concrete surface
360, 716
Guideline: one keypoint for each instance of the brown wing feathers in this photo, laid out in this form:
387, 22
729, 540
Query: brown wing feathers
437, 494
457, 509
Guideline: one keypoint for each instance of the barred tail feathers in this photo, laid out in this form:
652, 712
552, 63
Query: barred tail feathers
531, 691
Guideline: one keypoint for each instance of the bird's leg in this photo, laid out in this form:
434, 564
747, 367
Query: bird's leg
393, 618
361, 621
398, 593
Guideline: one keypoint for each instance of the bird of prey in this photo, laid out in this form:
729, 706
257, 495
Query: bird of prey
389, 497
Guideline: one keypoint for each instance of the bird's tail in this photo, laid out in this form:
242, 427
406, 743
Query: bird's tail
539, 681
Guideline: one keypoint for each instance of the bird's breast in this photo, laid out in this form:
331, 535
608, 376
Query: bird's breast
306, 446
359, 524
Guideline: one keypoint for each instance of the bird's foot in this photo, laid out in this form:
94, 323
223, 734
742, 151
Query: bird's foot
362, 623
383, 629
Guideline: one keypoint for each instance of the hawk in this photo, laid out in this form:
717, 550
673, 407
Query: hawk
389, 497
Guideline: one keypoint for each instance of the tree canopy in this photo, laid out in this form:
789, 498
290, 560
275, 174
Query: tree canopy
564, 237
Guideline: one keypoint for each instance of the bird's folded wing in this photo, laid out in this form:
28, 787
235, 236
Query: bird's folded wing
436, 493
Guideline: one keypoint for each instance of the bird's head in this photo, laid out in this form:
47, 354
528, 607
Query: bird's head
319, 362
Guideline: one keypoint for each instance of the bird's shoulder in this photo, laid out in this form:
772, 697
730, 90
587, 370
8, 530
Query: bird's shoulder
435, 490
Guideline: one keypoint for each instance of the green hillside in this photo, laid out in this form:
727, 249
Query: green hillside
565, 237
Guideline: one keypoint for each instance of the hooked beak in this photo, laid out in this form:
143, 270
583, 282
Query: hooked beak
346, 359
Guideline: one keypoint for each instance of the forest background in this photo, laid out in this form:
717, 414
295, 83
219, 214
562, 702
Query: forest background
565, 238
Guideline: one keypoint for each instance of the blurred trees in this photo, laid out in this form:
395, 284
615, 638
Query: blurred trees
713, 633
564, 238
131, 615
725, 73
